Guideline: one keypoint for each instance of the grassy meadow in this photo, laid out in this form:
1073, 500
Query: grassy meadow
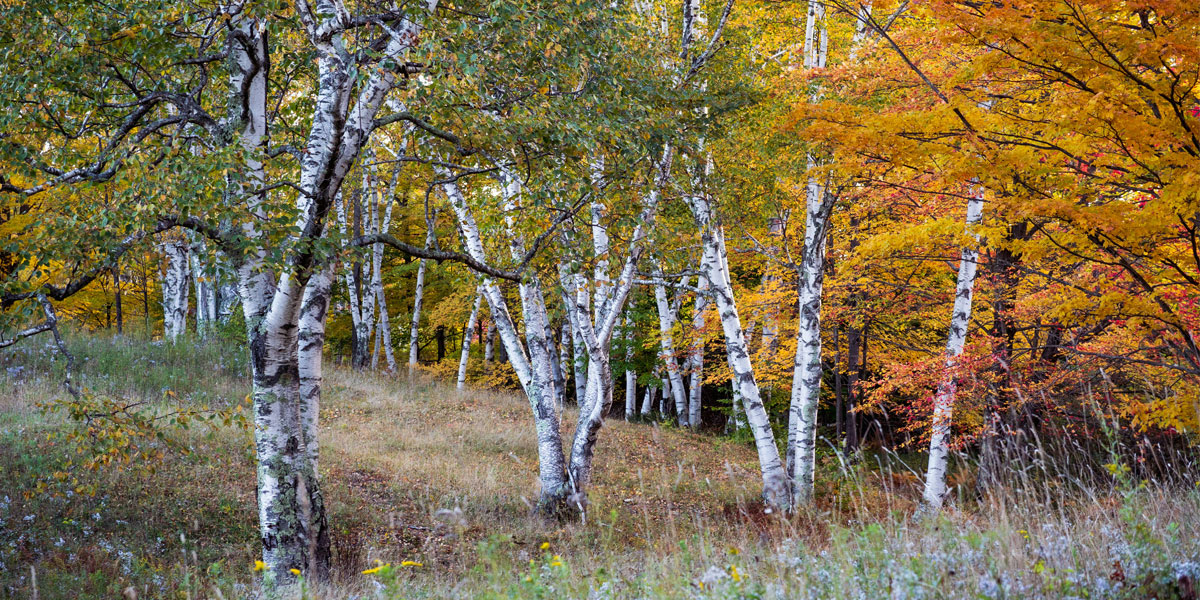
429, 491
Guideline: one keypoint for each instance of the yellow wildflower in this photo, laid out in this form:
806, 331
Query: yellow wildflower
733, 572
545, 545
411, 563
294, 571
556, 561
259, 565
381, 566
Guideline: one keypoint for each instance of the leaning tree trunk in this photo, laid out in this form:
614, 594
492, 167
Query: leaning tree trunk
666, 326
776, 487
534, 372
466, 343
943, 399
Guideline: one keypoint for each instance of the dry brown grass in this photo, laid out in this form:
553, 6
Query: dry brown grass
414, 470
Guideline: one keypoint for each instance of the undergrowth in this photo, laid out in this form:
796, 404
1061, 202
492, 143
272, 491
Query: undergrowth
429, 490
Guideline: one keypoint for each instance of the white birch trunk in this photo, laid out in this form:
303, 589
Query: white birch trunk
466, 344
383, 335
776, 487
807, 370
291, 510
943, 400
534, 372
806, 373
696, 355
489, 334
596, 329
666, 326
175, 288
418, 292
206, 292
630, 374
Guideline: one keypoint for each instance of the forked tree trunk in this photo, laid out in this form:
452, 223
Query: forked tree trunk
533, 371
807, 371
943, 399
285, 312
596, 328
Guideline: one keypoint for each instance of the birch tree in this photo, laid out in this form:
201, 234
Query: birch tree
806, 380
466, 343
943, 399
175, 286
414, 328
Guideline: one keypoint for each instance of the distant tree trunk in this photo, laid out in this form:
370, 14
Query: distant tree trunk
943, 399
696, 356
145, 276
440, 336
413, 349
202, 280
630, 374
175, 288
648, 401
1002, 265
361, 295
490, 345
579, 364
383, 333
565, 365
556, 364
466, 341
116, 275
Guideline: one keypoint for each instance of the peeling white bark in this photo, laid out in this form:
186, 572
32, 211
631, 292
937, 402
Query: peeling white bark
285, 316
943, 400
807, 370
776, 487
175, 287
666, 326
696, 355
418, 294
630, 374
466, 344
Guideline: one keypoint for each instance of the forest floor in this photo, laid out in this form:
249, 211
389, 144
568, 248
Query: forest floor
437, 483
